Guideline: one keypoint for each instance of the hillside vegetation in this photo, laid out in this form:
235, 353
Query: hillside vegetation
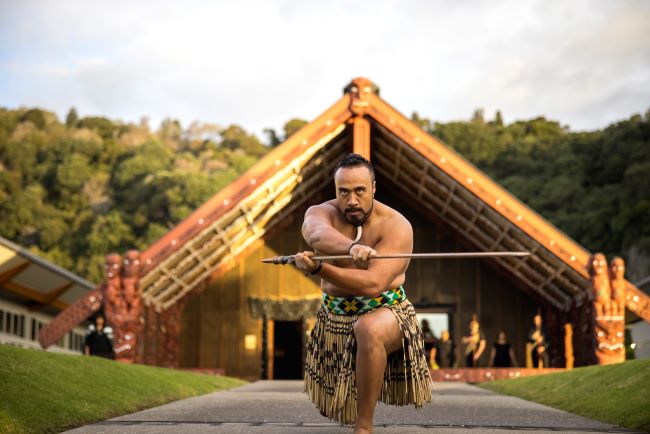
75, 190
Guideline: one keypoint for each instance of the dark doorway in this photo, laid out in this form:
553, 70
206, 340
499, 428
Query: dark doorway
288, 350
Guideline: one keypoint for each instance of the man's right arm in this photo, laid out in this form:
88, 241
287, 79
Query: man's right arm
320, 234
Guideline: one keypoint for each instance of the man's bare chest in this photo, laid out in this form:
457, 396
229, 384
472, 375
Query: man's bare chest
369, 236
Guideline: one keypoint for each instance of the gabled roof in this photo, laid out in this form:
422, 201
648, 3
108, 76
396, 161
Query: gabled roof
29, 278
441, 184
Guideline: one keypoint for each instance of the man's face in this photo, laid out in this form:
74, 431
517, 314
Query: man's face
537, 320
354, 193
100, 323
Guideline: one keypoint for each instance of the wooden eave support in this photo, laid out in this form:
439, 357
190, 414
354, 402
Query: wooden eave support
51, 296
9, 274
361, 137
35, 295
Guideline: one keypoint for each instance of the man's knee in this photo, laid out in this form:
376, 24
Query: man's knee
367, 332
379, 327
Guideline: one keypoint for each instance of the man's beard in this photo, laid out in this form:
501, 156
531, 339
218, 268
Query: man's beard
358, 221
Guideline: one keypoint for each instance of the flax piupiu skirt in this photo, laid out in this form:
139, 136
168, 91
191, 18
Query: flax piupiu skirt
330, 380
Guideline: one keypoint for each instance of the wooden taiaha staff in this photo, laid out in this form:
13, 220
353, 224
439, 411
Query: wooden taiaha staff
282, 260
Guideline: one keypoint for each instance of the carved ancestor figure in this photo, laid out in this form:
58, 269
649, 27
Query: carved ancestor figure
113, 302
122, 302
170, 330
609, 303
600, 284
618, 285
130, 273
131, 296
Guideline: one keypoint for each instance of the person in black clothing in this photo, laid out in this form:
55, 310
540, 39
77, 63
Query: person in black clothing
446, 354
502, 355
99, 340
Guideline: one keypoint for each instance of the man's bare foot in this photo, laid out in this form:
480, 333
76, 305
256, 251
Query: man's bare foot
362, 430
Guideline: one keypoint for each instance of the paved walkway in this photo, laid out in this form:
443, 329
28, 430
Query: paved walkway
281, 407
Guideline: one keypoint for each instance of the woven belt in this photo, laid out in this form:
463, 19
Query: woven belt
357, 305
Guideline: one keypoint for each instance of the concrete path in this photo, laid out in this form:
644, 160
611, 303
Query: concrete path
281, 407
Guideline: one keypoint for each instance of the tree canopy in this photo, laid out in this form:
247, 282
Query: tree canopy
76, 190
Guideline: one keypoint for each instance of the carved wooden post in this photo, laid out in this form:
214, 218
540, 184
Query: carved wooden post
618, 285
609, 306
568, 346
358, 90
132, 304
168, 339
122, 303
151, 331
600, 284
361, 137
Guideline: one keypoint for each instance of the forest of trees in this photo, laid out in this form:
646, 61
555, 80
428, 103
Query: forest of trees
594, 186
74, 190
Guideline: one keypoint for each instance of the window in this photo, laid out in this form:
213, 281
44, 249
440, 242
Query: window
2, 320
8, 322
14, 324
437, 321
22, 326
75, 341
439, 317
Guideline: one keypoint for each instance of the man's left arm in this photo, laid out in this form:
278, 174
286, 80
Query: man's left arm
397, 238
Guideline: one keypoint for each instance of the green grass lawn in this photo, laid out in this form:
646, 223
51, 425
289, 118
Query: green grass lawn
45, 392
617, 394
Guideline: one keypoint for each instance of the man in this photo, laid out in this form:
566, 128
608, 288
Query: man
366, 344
99, 339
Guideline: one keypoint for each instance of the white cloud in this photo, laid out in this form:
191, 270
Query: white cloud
258, 63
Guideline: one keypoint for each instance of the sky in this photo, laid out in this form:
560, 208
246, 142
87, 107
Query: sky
260, 63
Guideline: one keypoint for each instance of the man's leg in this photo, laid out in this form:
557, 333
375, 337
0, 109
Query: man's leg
377, 335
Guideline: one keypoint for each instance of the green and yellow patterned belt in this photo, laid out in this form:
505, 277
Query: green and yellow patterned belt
357, 305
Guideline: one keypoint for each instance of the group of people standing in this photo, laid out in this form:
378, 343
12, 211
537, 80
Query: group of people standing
441, 353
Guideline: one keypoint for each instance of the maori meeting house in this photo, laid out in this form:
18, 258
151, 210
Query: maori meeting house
200, 297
